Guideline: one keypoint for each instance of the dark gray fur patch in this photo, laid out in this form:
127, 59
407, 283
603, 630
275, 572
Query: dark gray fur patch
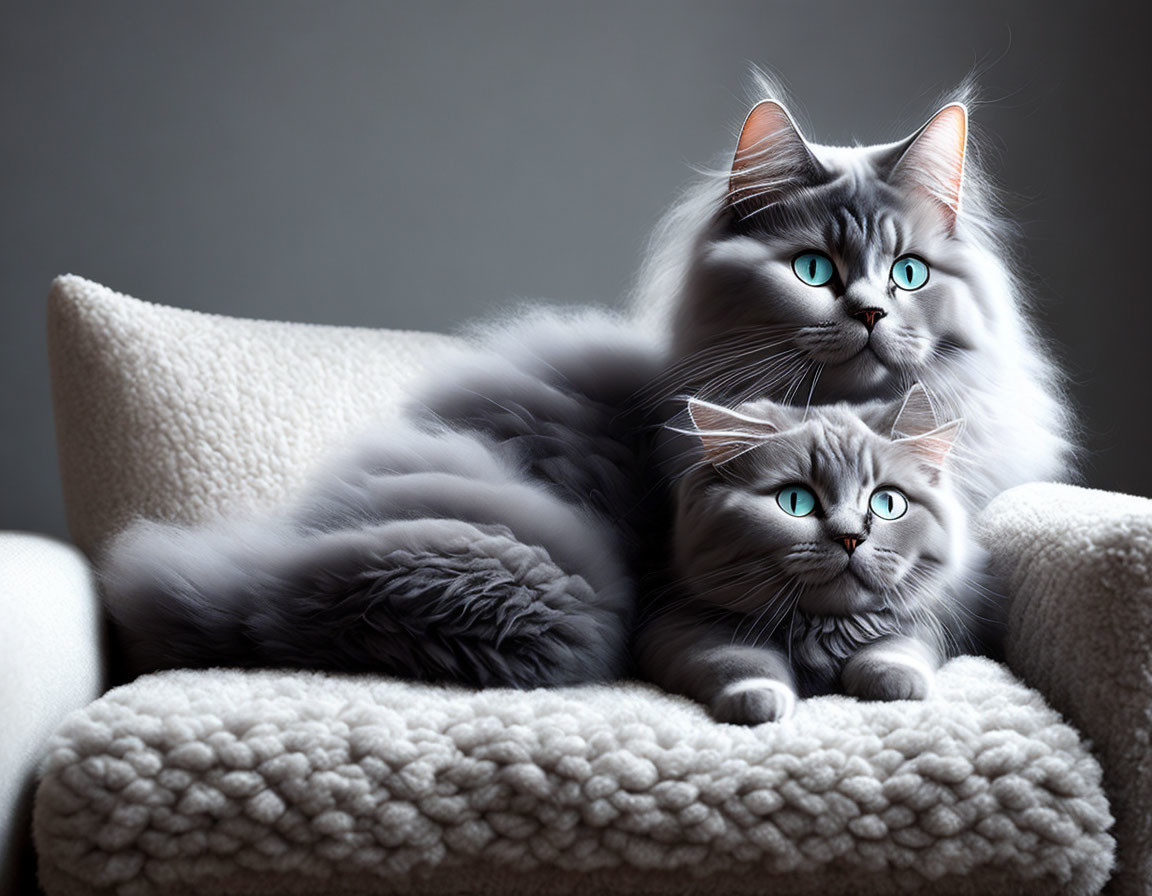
488, 539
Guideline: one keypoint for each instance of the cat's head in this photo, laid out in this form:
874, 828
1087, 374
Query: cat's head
860, 263
838, 511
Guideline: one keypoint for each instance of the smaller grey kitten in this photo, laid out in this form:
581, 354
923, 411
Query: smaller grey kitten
816, 551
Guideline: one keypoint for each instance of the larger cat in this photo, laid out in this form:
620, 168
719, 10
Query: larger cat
493, 537
818, 274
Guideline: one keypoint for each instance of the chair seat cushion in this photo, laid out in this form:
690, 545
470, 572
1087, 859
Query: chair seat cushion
229, 782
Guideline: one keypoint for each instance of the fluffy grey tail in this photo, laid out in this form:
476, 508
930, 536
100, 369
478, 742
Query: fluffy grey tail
484, 540
427, 599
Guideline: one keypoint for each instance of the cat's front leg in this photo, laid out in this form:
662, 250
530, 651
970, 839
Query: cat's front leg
695, 655
752, 701
897, 668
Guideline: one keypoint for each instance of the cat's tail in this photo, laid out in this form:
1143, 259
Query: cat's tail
182, 596
423, 598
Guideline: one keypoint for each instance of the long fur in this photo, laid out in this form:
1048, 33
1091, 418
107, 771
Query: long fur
485, 539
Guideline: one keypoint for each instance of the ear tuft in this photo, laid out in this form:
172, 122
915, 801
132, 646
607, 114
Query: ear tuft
771, 159
933, 164
725, 433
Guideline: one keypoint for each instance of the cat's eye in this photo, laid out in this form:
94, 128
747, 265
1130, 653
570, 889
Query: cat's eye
909, 272
813, 268
888, 503
795, 500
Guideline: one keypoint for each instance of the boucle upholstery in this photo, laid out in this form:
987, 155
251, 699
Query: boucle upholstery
1078, 563
179, 415
194, 782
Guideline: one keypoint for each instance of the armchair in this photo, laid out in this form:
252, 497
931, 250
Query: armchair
301, 782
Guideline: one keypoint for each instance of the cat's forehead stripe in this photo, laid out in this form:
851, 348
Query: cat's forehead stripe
836, 454
852, 223
856, 232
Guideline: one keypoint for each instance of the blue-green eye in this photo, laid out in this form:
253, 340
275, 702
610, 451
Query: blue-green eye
795, 500
814, 268
909, 272
888, 503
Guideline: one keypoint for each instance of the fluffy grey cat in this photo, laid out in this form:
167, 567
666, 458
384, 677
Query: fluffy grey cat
819, 274
816, 553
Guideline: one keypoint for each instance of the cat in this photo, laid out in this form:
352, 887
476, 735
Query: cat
819, 274
495, 535
816, 552
485, 538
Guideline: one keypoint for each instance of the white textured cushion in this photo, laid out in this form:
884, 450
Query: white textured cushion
230, 782
1078, 564
179, 415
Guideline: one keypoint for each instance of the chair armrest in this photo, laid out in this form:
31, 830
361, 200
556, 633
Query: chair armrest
50, 664
1078, 566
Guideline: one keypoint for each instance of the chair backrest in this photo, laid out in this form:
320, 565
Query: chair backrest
181, 416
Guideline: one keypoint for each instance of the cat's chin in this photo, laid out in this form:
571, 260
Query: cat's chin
845, 595
861, 376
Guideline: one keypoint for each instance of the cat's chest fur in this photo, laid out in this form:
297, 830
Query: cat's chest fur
819, 646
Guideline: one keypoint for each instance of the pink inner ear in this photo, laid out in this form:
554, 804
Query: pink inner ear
934, 447
766, 125
770, 156
934, 163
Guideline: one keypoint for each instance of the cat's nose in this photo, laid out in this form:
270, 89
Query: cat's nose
869, 316
850, 542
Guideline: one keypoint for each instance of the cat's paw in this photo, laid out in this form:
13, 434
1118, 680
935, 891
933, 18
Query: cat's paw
882, 676
753, 702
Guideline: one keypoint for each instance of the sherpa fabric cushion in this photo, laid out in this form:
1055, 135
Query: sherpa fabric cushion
178, 415
227, 782
1078, 564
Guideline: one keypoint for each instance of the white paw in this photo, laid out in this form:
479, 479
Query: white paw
887, 676
753, 702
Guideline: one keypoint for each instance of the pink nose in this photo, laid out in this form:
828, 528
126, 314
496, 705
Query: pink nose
849, 541
869, 316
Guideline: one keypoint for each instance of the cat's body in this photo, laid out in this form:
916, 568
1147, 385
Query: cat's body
815, 553
487, 538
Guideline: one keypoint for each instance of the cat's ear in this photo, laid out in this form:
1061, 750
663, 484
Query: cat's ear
933, 448
932, 165
772, 159
916, 415
917, 428
725, 433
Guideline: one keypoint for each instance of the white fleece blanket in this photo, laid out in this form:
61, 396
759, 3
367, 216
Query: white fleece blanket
273, 782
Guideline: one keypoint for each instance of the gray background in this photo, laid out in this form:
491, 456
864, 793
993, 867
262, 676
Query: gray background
415, 165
